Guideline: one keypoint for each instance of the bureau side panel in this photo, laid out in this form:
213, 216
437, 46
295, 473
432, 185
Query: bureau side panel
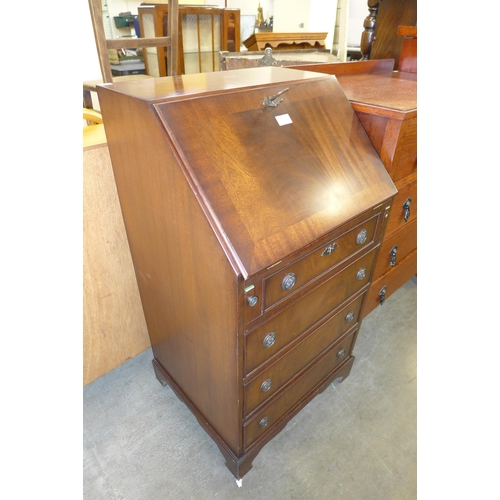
188, 288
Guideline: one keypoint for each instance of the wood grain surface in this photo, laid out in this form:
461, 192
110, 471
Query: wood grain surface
114, 329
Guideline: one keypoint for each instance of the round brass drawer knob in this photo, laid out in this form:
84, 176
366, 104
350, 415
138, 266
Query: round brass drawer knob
288, 281
361, 238
341, 353
350, 316
269, 340
252, 300
264, 422
266, 385
361, 274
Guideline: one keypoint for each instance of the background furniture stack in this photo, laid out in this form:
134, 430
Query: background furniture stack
380, 38
386, 104
203, 32
168, 40
385, 101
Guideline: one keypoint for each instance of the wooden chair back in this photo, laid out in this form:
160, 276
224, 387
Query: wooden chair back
103, 45
408, 57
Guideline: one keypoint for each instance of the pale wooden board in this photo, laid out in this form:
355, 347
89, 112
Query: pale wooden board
114, 329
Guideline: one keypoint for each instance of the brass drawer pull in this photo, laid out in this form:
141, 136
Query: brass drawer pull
341, 353
252, 300
406, 208
266, 385
361, 238
288, 281
264, 422
382, 294
361, 274
269, 340
329, 249
349, 317
392, 253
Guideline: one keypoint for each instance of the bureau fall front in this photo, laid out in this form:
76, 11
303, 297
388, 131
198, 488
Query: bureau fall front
254, 205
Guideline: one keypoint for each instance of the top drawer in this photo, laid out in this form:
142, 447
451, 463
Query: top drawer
291, 278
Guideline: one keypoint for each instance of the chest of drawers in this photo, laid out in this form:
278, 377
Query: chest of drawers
386, 104
254, 229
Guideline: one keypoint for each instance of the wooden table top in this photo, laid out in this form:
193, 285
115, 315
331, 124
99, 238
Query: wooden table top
392, 92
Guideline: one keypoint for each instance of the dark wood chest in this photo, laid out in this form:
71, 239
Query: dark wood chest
254, 204
386, 104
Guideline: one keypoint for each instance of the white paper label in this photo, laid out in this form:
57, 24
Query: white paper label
283, 119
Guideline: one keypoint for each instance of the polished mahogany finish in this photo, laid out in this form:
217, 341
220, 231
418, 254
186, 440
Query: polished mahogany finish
386, 104
380, 38
254, 231
408, 57
285, 41
350, 67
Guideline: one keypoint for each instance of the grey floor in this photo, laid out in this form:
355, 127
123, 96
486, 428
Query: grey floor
356, 440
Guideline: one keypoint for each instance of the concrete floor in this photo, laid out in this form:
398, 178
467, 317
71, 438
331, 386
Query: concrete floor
357, 440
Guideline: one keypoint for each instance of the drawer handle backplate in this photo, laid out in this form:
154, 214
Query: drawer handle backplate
361, 238
288, 281
361, 274
266, 385
341, 353
350, 316
269, 340
264, 422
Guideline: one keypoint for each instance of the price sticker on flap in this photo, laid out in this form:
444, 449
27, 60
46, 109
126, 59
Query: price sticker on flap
283, 119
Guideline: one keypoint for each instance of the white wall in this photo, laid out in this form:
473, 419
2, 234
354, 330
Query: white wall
249, 7
358, 10
288, 15
322, 18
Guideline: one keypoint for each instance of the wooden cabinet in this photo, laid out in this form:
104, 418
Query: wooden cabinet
286, 41
386, 104
254, 204
203, 32
380, 38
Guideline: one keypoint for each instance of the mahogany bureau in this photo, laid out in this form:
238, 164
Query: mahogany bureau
254, 205
386, 104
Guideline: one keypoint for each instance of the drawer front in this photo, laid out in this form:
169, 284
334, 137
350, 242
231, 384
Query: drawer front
395, 248
265, 419
385, 286
405, 204
276, 376
266, 340
293, 277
